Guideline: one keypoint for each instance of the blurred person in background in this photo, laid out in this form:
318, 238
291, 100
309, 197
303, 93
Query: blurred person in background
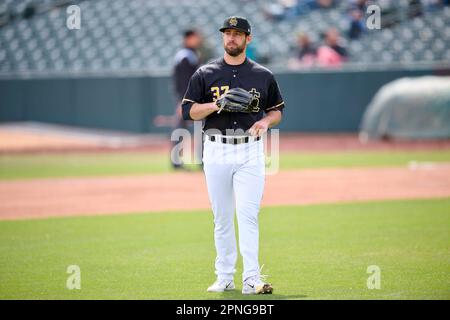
305, 52
357, 15
281, 9
325, 4
291, 9
257, 53
415, 8
187, 61
305, 6
331, 53
357, 23
358, 4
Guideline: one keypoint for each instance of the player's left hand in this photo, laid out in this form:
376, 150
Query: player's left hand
259, 128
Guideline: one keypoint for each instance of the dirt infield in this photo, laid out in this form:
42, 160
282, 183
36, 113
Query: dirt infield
30, 138
187, 191
44, 138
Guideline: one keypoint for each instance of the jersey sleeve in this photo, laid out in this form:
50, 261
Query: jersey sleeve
194, 94
274, 99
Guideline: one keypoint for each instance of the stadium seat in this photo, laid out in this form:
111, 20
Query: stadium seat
146, 34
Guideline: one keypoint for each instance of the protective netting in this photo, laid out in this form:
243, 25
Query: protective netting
411, 108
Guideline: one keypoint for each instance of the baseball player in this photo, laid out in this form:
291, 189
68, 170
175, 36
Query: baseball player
238, 100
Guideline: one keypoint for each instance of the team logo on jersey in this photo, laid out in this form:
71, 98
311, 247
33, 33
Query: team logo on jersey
233, 22
255, 102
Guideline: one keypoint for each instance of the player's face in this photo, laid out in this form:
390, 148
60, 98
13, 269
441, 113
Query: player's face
234, 42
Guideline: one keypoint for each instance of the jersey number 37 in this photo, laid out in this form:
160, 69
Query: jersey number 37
218, 92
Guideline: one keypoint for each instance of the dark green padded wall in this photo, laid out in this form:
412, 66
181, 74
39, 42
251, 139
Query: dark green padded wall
315, 101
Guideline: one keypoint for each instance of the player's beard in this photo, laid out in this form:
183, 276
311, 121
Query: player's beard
236, 50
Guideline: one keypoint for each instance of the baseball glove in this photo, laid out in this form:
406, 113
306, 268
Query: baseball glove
235, 100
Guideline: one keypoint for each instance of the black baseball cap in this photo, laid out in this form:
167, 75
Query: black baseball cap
189, 32
237, 23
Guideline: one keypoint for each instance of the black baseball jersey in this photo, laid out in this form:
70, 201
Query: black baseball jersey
210, 81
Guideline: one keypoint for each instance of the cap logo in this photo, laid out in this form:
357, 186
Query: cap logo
233, 22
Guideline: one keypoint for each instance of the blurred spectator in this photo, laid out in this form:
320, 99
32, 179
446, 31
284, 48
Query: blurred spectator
29, 11
187, 61
358, 4
331, 53
257, 53
415, 8
252, 51
281, 9
325, 3
357, 23
306, 52
308, 5
434, 4
289, 9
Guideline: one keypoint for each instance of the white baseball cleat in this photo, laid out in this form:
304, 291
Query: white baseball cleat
221, 286
254, 285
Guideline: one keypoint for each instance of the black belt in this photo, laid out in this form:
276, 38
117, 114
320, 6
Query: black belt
232, 140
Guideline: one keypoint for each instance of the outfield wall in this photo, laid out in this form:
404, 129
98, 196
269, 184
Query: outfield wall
315, 101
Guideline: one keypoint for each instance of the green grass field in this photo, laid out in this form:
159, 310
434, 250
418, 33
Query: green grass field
104, 164
310, 252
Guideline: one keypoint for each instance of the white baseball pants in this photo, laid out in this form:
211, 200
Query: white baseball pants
235, 176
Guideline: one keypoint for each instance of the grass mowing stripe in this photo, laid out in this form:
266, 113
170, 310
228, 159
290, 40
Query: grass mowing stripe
310, 252
103, 164
89, 164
